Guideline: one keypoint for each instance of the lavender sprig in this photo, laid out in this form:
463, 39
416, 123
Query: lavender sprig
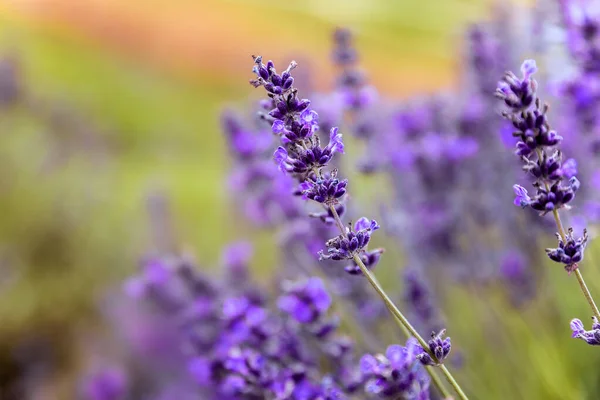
302, 156
555, 182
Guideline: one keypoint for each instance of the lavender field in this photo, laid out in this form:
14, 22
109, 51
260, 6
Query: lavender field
312, 201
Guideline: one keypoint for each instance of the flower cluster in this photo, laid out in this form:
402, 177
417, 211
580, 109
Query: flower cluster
537, 144
263, 194
302, 156
346, 246
236, 346
397, 374
439, 347
569, 251
295, 123
555, 182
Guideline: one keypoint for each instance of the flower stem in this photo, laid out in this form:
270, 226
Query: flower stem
398, 316
437, 382
582, 285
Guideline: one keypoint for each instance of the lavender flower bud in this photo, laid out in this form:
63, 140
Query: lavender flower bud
327, 190
569, 252
438, 346
518, 94
591, 337
345, 247
309, 157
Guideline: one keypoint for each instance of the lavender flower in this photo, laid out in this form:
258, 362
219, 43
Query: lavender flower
354, 242
419, 299
106, 384
552, 193
438, 346
569, 252
397, 374
304, 157
305, 301
518, 94
536, 142
591, 337
327, 190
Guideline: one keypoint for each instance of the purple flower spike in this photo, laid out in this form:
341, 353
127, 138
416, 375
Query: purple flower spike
522, 198
591, 337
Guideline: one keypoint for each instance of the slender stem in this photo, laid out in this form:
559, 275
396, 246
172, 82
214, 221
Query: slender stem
559, 225
437, 382
453, 382
582, 285
398, 316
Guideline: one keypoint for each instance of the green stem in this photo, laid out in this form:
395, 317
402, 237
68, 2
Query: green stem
437, 382
398, 316
582, 285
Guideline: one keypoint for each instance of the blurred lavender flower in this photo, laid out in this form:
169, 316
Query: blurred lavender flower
10, 80
305, 301
235, 345
105, 384
397, 374
591, 337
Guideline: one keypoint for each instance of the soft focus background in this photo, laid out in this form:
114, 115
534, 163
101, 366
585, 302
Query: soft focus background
112, 108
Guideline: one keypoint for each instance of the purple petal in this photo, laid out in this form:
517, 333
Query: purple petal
278, 126
528, 68
577, 327
200, 369
281, 156
335, 140
569, 168
362, 223
318, 293
396, 354
309, 116
368, 364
